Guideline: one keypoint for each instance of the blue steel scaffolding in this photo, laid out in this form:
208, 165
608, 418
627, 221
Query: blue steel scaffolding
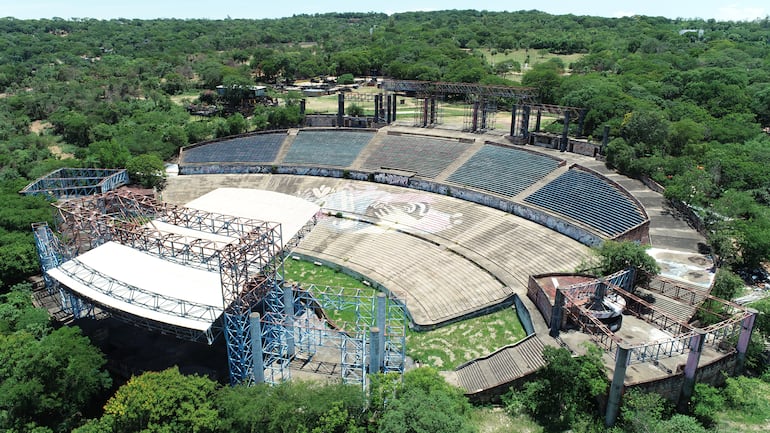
250, 270
76, 182
248, 267
374, 341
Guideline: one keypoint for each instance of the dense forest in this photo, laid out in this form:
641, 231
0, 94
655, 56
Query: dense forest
687, 103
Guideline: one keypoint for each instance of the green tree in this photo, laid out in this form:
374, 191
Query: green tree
291, 407
147, 170
107, 154
727, 285
642, 412
707, 401
345, 79
48, 380
355, 110
18, 314
425, 403
762, 321
565, 390
165, 401
614, 256
546, 79
646, 129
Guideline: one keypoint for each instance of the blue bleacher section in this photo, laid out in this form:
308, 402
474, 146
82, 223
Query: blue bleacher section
589, 199
503, 170
336, 148
252, 148
423, 155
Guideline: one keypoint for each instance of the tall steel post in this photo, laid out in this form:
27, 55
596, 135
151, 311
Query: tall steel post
513, 120
257, 359
565, 133
618, 382
340, 109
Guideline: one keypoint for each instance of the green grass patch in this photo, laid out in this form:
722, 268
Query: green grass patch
304, 272
749, 407
449, 346
444, 348
535, 56
497, 420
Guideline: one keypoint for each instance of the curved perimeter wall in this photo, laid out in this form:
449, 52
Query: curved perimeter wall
395, 177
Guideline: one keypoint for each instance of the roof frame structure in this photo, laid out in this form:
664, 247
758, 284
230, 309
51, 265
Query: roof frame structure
75, 182
430, 88
246, 253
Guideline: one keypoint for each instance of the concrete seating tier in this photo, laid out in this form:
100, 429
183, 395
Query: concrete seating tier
438, 284
503, 366
503, 170
425, 156
671, 307
251, 148
509, 247
589, 199
335, 148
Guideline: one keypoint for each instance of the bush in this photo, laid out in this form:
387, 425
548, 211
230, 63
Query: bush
355, 110
345, 79
147, 170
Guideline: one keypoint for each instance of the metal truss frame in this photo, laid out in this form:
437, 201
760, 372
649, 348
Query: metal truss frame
250, 266
107, 285
353, 343
428, 88
76, 182
622, 283
51, 253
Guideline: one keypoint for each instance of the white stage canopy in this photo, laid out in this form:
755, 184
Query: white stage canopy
119, 277
292, 212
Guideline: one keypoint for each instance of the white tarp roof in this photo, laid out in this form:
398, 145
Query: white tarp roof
292, 212
149, 273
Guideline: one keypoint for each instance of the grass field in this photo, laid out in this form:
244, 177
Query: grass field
444, 348
520, 56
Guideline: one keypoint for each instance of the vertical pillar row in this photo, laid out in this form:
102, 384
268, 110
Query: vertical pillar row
432, 110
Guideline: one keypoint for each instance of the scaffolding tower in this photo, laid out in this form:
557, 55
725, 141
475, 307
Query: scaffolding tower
250, 269
375, 341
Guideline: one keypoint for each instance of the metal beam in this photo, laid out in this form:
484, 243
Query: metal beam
438, 88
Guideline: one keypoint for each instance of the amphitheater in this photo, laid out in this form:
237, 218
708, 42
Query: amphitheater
459, 224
